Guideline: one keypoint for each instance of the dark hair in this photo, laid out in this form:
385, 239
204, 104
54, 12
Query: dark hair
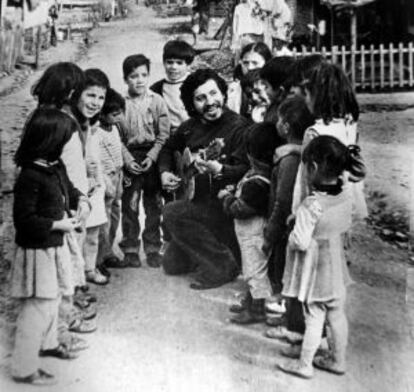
113, 102
262, 140
278, 72
46, 133
177, 49
304, 67
57, 83
194, 81
248, 80
258, 47
134, 61
332, 94
331, 156
93, 77
295, 112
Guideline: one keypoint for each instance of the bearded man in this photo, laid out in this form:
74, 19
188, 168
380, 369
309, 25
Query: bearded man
202, 236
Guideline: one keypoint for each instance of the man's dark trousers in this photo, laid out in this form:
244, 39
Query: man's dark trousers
203, 241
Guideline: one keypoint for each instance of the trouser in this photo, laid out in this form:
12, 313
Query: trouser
202, 237
254, 262
148, 185
90, 247
315, 315
294, 317
36, 330
107, 232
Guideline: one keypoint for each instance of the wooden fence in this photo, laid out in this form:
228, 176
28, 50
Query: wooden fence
11, 46
373, 68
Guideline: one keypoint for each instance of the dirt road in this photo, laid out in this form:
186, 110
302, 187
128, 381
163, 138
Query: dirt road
155, 334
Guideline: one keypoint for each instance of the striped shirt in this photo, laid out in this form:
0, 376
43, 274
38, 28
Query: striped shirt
110, 149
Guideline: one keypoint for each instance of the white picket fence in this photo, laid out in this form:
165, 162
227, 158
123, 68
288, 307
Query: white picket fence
373, 68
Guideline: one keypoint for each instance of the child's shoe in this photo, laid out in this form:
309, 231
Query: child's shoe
154, 260
132, 260
114, 262
327, 363
297, 368
243, 305
275, 320
283, 333
278, 307
96, 277
38, 378
255, 313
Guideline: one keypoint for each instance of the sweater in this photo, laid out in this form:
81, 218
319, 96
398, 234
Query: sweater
42, 195
196, 134
146, 125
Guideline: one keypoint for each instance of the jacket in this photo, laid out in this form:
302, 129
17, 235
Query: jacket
42, 195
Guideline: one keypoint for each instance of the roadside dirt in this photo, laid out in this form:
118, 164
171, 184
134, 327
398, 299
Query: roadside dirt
157, 335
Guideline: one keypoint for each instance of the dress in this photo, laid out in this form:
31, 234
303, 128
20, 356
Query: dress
346, 132
315, 268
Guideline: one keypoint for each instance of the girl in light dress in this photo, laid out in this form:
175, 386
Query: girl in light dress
315, 271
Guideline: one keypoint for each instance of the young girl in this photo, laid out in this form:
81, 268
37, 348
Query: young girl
248, 207
86, 107
253, 56
41, 272
331, 99
315, 271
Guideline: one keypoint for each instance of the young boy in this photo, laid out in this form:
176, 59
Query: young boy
145, 131
293, 119
177, 58
113, 156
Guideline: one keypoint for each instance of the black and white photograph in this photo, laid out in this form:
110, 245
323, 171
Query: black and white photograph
207, 195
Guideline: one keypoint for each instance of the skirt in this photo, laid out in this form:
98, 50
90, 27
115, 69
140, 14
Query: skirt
42, 273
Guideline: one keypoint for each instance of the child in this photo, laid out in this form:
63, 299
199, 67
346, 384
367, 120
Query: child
177, 58
87, 103
54, 89
112, 154
248, 207
331, 99
147, 128
293, 119
256, 104
41, 272
315, 271
276, 78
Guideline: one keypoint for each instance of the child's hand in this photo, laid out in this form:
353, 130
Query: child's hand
83, 211
66, 225
169, 181
134, 167
222, 194
146, 164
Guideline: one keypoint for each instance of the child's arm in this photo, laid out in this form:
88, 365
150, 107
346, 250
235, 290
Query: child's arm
285, 176
307, 217
162, 128
253, 198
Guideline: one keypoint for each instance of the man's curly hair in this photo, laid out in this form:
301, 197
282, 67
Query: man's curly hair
194, 81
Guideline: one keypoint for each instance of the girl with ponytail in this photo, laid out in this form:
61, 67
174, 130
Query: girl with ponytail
315, 271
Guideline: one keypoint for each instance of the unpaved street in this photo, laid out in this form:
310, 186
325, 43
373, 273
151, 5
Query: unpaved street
155, 334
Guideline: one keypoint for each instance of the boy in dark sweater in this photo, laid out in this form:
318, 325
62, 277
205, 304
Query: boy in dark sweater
248, 207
